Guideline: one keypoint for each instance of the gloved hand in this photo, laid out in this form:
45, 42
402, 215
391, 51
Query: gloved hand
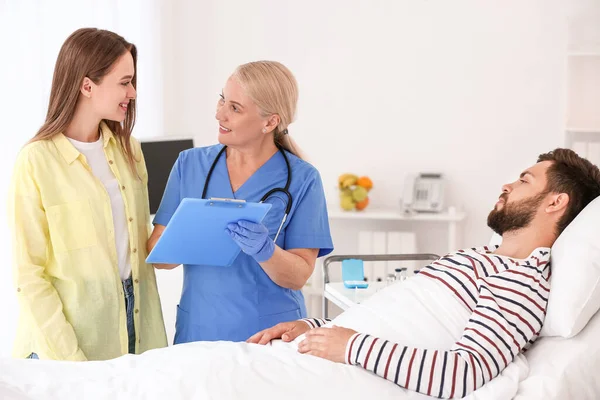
253, 239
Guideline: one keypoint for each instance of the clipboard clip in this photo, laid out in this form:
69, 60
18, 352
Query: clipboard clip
222, 201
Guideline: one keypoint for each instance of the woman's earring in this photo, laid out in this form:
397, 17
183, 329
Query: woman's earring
264, 130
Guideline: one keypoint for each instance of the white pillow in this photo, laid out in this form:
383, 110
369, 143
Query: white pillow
496, 240
575, 281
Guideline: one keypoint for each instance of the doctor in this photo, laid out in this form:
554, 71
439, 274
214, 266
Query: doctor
255, 160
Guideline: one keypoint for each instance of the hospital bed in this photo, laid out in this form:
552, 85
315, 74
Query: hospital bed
553, 369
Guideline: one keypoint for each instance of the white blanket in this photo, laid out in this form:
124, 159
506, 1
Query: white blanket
211, 371
564, 368
223, 370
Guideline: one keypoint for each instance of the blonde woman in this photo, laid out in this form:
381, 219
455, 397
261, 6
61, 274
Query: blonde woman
256, 159
79, 214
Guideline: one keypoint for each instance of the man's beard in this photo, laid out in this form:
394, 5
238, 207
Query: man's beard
515, 215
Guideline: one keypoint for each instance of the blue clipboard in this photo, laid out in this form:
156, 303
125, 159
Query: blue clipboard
196, 232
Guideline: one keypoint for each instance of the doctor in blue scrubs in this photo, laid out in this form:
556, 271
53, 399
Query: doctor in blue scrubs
255, 160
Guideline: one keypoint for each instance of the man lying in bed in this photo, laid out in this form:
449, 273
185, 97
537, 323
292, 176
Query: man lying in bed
505, 290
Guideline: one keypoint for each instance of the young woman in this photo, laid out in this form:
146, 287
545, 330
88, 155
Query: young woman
255, 160
79, 214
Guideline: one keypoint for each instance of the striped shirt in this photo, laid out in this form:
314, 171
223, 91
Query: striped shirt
507, 299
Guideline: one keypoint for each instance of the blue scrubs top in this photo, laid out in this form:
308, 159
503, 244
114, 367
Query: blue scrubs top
233, 303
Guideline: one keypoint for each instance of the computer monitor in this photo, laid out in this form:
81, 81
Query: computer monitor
160, 155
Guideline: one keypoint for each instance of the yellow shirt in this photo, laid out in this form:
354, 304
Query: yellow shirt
66, 270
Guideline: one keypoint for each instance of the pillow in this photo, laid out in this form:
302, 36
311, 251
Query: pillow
575, 281
496, 240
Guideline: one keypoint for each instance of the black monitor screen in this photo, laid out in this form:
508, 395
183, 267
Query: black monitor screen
160, 157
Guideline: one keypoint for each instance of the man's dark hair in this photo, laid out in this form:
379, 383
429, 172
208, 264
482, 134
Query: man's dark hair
575, 176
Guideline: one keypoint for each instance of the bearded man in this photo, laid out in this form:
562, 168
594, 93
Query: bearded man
497, 296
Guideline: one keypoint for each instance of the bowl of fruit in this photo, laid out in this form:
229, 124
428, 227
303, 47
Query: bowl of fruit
354, 191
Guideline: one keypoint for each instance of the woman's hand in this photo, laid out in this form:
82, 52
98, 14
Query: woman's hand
253, 239
286, 331
156, 233
287, 268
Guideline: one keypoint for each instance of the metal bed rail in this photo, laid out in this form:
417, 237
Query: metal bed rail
368, 257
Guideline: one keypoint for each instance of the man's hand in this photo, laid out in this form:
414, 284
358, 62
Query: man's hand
328, 343
286, 331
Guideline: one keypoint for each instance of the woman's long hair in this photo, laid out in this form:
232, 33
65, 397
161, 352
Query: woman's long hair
91, 53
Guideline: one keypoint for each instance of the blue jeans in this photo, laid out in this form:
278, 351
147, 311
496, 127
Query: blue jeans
129, 306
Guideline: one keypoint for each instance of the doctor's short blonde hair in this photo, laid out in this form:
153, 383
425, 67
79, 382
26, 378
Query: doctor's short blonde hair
274, 90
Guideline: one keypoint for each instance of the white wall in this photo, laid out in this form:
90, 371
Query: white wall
584, 26
387, 87
583, 110
474, 89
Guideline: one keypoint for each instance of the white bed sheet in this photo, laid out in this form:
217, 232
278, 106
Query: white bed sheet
554, 368
212, 370
564, 368
225, 370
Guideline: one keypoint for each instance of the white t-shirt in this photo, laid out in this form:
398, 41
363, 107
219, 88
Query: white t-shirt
94, 154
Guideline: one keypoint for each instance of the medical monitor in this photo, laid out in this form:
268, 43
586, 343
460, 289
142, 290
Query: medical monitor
160, 155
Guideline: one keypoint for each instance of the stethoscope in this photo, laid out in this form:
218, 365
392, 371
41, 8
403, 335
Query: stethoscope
284, 190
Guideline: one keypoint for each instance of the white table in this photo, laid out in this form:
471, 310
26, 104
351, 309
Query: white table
345, 298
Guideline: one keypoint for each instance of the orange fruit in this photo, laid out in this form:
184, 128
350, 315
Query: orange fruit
365, 182
361, 205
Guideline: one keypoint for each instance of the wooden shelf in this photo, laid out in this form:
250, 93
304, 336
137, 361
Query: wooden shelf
583, 54
395, 215
593, 131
